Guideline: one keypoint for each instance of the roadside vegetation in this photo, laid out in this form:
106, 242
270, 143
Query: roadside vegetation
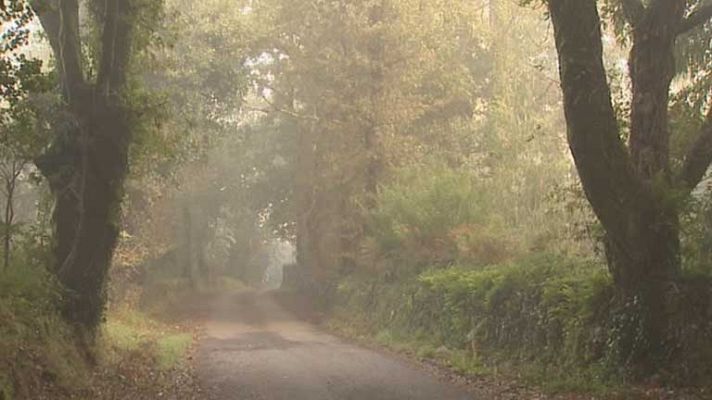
517, 190
484, 304
44, 358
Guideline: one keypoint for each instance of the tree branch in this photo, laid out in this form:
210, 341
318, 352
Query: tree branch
116, 46
698, 17
602, 161
634, 10
699, 157
285, 111
60, 21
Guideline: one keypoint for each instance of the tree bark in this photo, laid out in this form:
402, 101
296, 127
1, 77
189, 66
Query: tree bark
86, 177
629, 189
86, 166
10, 187
188, 247
652, 68
7, 239
305, 204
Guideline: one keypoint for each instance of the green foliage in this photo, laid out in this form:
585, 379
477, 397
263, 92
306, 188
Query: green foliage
130, 330
554, 319
172, 349
190, 82
535, 307
19, 74
697, 233
259, 103
25, 283
37, 347
545, 310
427, 204
436, 216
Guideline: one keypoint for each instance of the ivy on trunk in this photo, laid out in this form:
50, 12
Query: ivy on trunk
86, 164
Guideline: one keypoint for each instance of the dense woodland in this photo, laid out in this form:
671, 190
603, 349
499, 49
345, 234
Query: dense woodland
505, 186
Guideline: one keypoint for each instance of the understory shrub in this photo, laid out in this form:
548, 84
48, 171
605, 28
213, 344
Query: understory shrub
434, 217
37, 347
557, 313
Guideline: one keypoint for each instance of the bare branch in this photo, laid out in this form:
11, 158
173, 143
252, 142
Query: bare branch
116, 45
697, 18
60, 21
285, 111
699, 157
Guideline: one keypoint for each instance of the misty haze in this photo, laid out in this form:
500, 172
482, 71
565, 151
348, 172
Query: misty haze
355, 199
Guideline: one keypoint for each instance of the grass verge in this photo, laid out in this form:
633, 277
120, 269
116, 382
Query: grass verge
546, 320
39, 352
135, 356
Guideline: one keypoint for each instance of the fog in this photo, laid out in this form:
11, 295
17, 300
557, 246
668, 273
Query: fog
489, 185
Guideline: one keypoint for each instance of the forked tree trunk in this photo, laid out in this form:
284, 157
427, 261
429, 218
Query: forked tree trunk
647, 268
632, 189
86, 166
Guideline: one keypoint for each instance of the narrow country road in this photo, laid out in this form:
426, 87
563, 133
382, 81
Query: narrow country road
256, 350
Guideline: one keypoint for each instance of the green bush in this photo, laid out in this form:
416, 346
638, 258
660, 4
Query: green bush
37, 347
543, 307
556, 316
697, 234
549, 311
435, 216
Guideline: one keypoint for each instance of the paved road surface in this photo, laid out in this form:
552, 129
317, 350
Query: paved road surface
256, 350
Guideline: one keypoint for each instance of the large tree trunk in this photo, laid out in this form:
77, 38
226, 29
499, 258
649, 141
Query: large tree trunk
645, 266
88, 162
652, 68
86, 175
189, 253
319, 220
630, 189
305, 204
